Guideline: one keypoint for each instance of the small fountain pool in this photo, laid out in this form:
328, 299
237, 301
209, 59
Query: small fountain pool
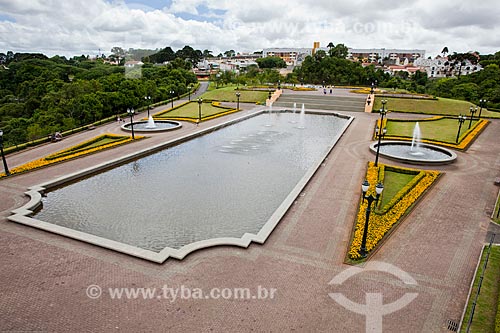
152, 125
414, 152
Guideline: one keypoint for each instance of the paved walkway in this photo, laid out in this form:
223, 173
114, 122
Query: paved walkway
44, 277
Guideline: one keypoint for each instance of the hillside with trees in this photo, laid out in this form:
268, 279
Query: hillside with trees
39, 96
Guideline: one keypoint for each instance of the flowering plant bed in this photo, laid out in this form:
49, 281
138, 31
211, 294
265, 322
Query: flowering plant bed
384, 219
91, 146
302, 89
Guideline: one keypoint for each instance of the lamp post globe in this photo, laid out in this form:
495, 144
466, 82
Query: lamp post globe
148, 101
172, 98
200, 101
383, 112
482, 104
238, 94
131, 114
461, 120
472, 110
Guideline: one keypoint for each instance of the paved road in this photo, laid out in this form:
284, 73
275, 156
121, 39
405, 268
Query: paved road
44, 277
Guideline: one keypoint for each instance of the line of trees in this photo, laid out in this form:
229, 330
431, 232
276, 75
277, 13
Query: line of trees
39, 96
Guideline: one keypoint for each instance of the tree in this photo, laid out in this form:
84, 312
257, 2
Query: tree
163, 56
445, 51
420, 78
330, 47
339, 51
320, 54
189, 54
207, 54
271, 62
230, 53
459, 59
118, 53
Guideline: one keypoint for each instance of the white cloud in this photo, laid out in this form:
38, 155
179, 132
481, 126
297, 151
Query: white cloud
71, 28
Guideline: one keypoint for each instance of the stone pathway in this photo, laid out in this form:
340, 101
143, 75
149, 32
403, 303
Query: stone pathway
44, 277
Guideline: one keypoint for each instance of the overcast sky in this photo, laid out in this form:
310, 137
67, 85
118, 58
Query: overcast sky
83, 27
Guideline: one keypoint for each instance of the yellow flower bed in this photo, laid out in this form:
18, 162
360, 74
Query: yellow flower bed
361, 91
45, 161
303, 89
380, 224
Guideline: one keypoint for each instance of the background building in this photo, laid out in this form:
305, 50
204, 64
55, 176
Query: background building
379, 55
292, 56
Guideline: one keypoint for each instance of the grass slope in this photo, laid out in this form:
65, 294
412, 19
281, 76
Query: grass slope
442, 106
228, 94
444, 130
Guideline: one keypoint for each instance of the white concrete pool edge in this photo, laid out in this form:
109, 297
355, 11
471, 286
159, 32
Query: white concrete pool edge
22, 215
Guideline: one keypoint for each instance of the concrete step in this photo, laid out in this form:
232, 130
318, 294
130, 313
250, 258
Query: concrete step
323, 102
322, 106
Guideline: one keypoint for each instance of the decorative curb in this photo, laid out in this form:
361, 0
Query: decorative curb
452, 155
22, 214
128, 128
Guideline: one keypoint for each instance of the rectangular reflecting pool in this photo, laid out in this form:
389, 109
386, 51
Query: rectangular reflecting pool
223, 187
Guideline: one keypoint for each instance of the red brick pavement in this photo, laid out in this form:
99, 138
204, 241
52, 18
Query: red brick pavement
44, 277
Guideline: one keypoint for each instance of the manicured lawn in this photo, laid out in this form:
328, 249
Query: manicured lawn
228, 94
487, 303
444, 130
190, 110
102, 142
393, 183
442, 106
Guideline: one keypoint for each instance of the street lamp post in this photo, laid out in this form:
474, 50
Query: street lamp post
7, 172
472, 110
482, 104
370, 199
189, 92
199, 109
238, 94
279, 84
172, 93
269, 95
217, 80
131, 114
378, 134
372, 89
461, 120
382, 112
148, 101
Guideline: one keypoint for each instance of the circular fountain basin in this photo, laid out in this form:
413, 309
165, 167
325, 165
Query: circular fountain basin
426, 154
159, 126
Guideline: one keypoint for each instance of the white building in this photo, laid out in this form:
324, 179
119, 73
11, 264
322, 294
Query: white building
291, 56
378, 55
441, 67
295, 56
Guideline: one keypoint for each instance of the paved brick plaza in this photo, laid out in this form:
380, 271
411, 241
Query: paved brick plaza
44, 277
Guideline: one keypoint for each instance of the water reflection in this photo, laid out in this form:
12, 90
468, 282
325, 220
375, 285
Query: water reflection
223, 184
